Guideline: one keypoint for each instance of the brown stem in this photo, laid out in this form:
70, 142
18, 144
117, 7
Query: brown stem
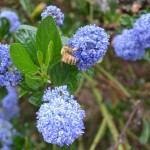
123, 133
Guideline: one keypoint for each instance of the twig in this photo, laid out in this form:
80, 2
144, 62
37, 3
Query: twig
123, 133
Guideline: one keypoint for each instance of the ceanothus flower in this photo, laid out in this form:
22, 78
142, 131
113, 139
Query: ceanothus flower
4, 58
61, 92
5, 147
60, 120
2, 114
127, 46
9, 74
142, 30
6, 134
55, 13
91, 42
12, 18
9, 105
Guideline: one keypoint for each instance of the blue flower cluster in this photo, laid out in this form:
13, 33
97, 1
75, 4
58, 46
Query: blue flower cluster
60, 120
12, 18
58, 92
6, 134
8, 110
91, 42
132, 44
127, 46
9, 74
55, 13
142, 30
10, 106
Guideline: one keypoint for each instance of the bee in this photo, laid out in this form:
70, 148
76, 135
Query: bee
67, 57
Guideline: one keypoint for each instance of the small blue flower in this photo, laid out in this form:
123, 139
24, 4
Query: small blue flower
61, 92
2, 114
4, 58
142, 30
5, 147
127, 46
6, 134
9, 74
12, 18
10, 105
55, 13
60, 120
91, 42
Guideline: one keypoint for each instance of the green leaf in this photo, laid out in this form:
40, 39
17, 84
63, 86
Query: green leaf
26, 35
145, 132
73, 79
147, 55
22, 60
72, 86
60, 74
50, 58
36, 98
49, 54
112, 6
148, 9
40, 57
47, 31
90, 72
27, 6
126, 21
3, 92
80, 76
18, 140
53, 56
34, 82
22, 92
23, 85
4, 28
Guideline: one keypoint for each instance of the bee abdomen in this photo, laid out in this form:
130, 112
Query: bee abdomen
69, 59
73, 61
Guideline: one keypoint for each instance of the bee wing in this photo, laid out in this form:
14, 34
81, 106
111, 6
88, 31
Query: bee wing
74, 49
